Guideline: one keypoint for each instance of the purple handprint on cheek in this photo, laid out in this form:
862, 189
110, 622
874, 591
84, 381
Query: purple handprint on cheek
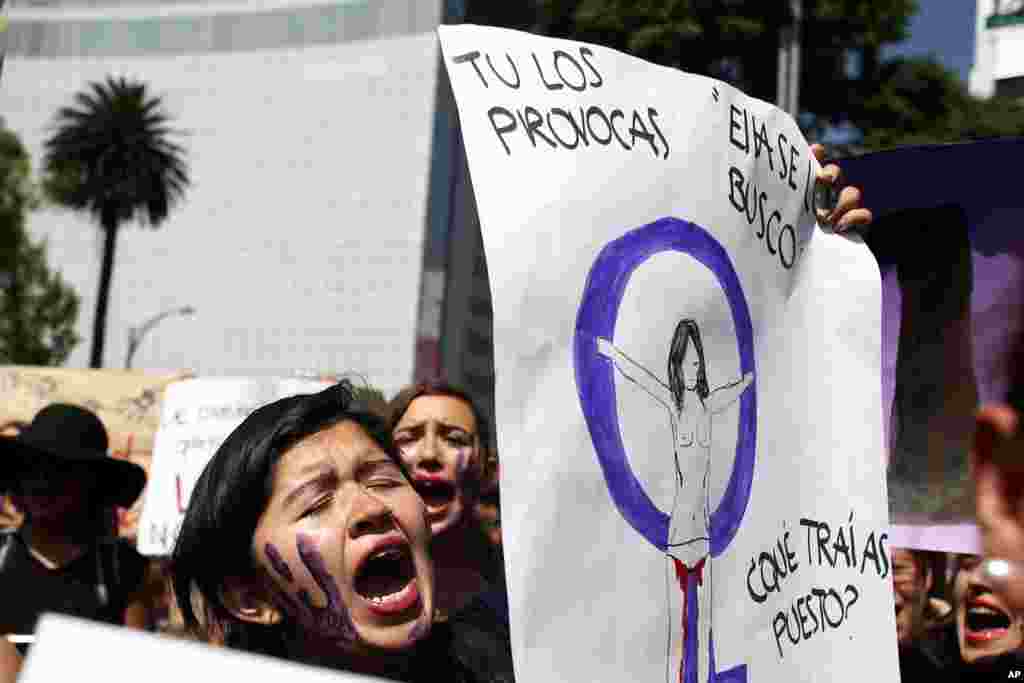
464, 478
461, 462
419, 630
331, 621
278, 563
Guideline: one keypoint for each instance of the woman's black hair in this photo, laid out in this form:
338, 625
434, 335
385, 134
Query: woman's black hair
686, 330
214, 544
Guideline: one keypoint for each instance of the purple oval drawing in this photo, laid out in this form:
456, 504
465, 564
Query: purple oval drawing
595, 381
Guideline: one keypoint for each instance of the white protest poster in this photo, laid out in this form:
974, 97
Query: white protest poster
197, 415
66, 648
688, 390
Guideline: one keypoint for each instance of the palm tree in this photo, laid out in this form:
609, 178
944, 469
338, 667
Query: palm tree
111, 155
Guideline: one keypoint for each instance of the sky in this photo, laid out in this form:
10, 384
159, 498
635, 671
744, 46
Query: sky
944, 29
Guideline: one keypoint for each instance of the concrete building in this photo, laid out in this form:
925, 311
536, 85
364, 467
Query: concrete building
998, 49
323, 153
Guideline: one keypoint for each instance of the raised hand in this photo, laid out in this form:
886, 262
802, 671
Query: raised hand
331, 621
848, 211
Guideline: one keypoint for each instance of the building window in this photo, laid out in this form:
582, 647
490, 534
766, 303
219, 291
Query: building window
342, 21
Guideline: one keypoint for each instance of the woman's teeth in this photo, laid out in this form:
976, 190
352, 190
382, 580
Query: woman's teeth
389, 598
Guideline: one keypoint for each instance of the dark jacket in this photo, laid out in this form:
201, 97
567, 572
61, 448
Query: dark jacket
97, 585
936, 657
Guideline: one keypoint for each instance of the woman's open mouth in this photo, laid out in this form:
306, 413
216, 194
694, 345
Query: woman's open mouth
436, 493
985, 622
386, 580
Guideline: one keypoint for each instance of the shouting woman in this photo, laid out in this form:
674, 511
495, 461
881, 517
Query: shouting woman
305, 539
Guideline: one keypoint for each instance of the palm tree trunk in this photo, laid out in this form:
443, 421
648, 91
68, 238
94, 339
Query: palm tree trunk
99, 323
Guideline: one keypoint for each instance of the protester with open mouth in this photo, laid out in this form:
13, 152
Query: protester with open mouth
982, 639
305, 539
442, 439
986, 626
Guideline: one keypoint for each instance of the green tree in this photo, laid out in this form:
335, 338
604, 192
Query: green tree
37, 309
111, 155
919, 101
735, 40
904, 101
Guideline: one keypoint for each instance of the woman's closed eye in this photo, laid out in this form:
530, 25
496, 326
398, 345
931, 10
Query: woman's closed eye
385, 483
318, 506
459, 439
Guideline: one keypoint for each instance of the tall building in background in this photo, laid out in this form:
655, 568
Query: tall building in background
456, 322
316, 235
467, 314
998, 49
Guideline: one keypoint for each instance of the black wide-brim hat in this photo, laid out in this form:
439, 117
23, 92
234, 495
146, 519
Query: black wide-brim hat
67, 435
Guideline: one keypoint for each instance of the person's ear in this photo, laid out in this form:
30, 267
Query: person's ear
248, 599
997, 466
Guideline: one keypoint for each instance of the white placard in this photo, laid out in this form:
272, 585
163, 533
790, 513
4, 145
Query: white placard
197, 415
688, 390
68, 649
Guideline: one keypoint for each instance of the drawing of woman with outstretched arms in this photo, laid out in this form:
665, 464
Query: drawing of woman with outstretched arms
691, 407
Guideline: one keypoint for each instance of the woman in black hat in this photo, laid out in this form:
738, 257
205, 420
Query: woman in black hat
65, 557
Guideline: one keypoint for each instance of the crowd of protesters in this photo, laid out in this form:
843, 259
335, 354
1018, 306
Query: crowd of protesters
402, 497
368, 538
951, 622
404, 500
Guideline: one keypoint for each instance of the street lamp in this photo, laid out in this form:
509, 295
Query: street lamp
788, 90
135, 334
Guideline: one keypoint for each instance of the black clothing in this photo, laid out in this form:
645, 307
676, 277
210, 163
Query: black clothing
918, 663
97, 585
471, 647
496, 599
479, 645
936, 657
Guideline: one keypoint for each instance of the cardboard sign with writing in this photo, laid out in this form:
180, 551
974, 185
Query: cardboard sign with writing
198, 414
127, 402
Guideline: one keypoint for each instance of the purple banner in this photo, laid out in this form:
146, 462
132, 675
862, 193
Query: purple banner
948, 241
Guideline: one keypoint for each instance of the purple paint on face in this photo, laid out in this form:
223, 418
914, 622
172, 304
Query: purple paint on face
462, 463
278, 563
470, 485
419, 630
332, 620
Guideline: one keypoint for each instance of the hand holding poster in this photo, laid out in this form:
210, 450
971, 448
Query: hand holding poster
197, 415
687, 376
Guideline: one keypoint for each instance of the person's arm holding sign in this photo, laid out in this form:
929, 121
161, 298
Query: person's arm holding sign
10, 661
848, 211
